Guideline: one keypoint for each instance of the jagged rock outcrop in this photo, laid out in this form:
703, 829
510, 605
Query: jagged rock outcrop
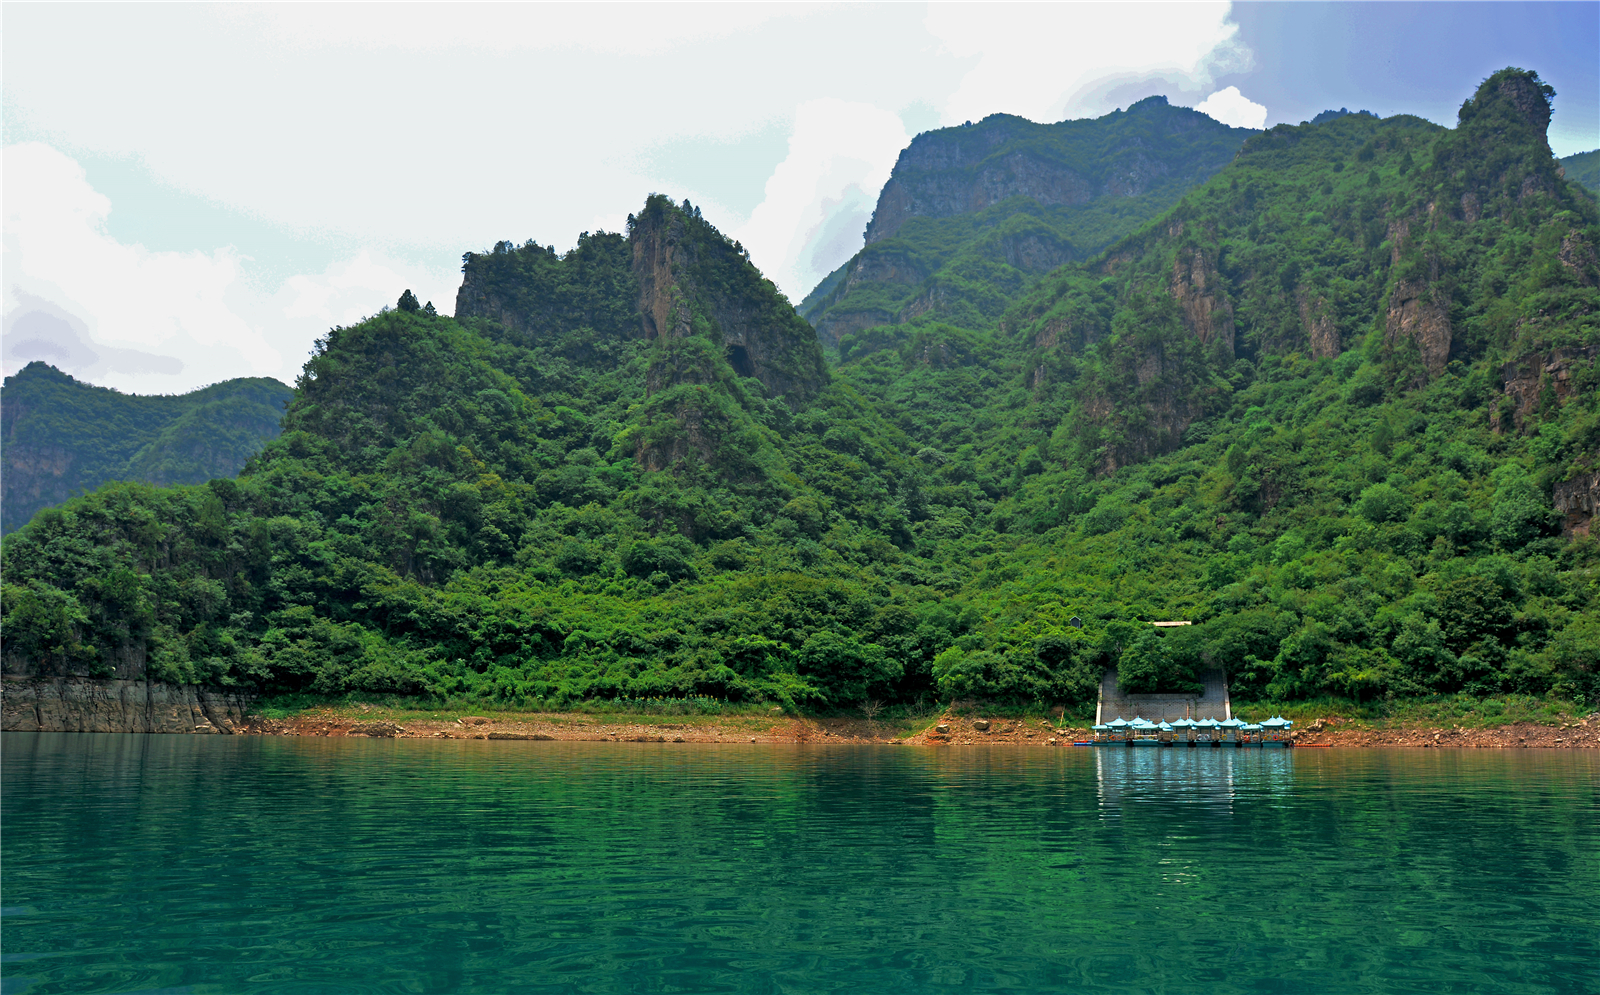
693, 281
1526, 379
1200, 293
1322, 335
1577, 500
1418, 311
79, 704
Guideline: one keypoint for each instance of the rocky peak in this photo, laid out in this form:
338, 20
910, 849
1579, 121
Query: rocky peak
970, 167
694, 281
1512, 93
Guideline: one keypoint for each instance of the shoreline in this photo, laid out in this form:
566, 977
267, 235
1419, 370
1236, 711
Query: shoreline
76, 704
580, 727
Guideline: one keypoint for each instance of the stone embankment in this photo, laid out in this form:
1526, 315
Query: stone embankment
81, 704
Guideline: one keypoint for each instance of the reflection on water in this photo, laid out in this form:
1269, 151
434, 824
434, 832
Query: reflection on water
221, 864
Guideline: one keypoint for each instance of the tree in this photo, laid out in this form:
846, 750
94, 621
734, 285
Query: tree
409, 302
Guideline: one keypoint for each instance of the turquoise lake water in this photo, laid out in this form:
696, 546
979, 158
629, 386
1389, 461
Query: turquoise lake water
223, 864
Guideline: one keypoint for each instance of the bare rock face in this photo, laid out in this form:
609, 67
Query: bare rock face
78, 704
1527, 379
1577, 499
1207, 312
1577, 254
1418, 312
1321, 333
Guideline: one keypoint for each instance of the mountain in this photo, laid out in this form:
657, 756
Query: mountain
1338, 406
59, 437
1584, 169
972, 215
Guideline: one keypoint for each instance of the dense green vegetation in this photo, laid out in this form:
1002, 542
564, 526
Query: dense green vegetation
975, 214
62, 437
1280, 410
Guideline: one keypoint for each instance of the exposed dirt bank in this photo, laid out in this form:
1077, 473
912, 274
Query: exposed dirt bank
946, 731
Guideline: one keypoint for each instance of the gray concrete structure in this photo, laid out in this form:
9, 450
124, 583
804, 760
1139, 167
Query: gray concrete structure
1212, 704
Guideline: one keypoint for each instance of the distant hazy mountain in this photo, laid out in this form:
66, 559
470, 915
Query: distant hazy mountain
1584, 169
59, 437
973, 215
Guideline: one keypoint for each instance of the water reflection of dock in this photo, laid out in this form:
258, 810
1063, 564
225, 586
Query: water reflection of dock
1151, 781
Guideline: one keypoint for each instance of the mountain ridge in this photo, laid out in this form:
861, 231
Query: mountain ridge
1338, 406
62, 436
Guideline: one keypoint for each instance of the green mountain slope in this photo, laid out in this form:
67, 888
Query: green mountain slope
59, 437
1338, 406
973, 215
1584, 170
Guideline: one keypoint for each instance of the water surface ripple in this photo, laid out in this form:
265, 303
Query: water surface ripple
221, 864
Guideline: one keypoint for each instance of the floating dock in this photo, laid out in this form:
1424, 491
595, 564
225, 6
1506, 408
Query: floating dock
1180, 720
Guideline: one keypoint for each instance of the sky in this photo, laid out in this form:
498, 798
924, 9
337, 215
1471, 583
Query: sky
193, 193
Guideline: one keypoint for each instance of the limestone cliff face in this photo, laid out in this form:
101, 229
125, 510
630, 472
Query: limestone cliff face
694, 282
1496, 162
1528, 380
1419, 311
884, 265
934, 182
76, 704
1322, 335
1578, 500
1199, 290
964, 170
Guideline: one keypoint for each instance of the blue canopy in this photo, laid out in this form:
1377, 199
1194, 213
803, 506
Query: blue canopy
1207, 724
1166, 726
1231, 723
1142, 724
1182, 723
1252, 727
1102, 728
1277, 722
1116, 723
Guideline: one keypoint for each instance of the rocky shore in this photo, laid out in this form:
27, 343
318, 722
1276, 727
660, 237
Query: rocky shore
83, 704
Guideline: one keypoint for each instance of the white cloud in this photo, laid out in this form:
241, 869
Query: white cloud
1233, 108
162, 322
158, 303
383, 145
820, 198
352, 289
1048, 62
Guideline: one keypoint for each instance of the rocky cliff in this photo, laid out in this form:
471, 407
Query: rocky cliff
694, 282
967, 169
1577, 500
76, 704
999, 203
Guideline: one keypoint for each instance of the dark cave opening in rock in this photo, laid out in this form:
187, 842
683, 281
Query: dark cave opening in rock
741, 361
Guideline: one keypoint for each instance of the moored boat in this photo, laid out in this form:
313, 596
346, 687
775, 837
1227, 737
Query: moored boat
1207, 732
1143, 732
1275, 732
1183, 732
1231, 736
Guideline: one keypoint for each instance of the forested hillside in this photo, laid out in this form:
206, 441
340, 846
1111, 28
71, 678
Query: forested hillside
59, 437
973, 215
1338, 406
